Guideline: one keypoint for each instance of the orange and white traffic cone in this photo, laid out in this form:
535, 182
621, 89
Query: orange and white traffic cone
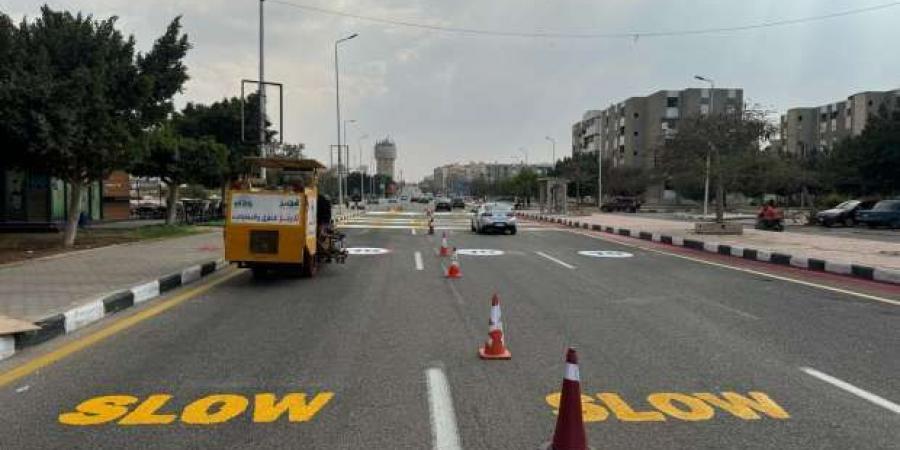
569, 434
445, 250
454, 271
495, 346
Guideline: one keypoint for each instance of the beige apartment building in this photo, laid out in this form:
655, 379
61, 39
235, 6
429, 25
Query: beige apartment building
819, 128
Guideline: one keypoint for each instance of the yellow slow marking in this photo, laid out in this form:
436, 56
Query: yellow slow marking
114, 328
754, 272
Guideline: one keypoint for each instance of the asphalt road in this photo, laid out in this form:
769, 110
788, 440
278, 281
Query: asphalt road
660, 339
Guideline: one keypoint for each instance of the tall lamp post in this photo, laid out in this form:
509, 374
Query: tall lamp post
524, 151
362, 176
337, 102
553, 143
262, 91
712, 90
346, 178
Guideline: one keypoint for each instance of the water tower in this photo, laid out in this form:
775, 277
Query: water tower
385, 154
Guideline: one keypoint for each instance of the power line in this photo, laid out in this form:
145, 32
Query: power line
557, 35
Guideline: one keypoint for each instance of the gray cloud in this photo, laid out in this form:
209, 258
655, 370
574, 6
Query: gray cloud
446, 97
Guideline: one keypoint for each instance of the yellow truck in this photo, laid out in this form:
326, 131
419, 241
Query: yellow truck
275, 225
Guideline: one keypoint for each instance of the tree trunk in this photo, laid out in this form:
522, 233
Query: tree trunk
74, 213
171, 203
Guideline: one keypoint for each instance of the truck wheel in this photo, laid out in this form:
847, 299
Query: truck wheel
310, 265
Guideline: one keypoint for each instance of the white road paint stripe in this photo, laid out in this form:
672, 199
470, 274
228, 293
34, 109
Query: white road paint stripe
862, 393
562, 263
734, 310
413, 231
745, 270
419, 265
443, 420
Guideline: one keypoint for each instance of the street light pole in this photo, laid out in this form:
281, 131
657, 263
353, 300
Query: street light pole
524, 151
346, 177
553, 142
262, 91
712, 90
362, 176
337, 102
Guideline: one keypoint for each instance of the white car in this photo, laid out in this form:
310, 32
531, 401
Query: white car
494, 217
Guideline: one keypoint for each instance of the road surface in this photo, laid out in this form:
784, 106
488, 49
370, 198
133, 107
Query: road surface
677, 350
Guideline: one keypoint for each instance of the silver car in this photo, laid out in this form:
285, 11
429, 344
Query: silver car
494, 217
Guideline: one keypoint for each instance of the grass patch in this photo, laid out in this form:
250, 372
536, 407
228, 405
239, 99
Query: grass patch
163, 231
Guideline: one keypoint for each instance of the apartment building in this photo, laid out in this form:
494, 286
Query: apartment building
819, 128
630, 132
457, 177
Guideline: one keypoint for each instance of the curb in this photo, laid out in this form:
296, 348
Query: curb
890, 276
88, 313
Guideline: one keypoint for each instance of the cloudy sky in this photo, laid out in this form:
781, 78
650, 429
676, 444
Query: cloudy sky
447, 97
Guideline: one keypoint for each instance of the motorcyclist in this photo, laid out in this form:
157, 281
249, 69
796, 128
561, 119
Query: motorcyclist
770, 217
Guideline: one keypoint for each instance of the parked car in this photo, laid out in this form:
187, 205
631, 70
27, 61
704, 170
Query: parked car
392, 200
494, 217
443, 204
844, 214
458, 203
624, 204
884, 213
404, 198
372, 201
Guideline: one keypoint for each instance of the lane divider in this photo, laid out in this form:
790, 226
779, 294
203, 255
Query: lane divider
861, 393
444, 432
871, 273
93, 311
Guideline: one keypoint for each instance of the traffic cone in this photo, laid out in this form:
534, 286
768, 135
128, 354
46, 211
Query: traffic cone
569, 434
453, 271
445, 250
431, 225
495, 347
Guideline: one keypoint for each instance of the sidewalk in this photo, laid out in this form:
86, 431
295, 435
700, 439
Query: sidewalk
74, 286
840, 255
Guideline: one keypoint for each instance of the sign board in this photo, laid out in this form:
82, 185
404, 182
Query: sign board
266, 209
311, 216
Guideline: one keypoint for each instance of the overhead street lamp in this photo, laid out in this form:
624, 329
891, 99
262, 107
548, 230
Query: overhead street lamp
524, 151
337, 102
346, 150
712, 90
553, 142
362, 177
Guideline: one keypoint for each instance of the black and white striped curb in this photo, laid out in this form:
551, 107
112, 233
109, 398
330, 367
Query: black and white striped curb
93, 311
842, 268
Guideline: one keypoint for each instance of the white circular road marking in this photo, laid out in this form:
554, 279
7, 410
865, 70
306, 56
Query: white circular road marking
605, 254
367, 251
479, 252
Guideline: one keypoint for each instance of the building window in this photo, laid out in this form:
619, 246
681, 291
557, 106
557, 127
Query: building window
635, 153
732, 93
799, 118
635, 133
672, 102
636, 115
824, 117
870, 103
621, 131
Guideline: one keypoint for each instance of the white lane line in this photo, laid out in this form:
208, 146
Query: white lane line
419, 265
443, 420
734, 310
413, 231
745, 270
862, 393
562, 263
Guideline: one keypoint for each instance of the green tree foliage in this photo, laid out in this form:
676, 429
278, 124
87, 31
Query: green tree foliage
163, 73
733, 143
222, 122
181, 160
868, 164
77, 92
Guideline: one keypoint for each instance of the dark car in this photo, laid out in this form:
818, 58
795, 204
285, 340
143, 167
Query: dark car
443, 204
844, 214
625, 204
884, 213
458, 203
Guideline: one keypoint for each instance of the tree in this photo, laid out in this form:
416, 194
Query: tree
222, 121
867, 164
163, 73
732, 141
77, 91
178, 160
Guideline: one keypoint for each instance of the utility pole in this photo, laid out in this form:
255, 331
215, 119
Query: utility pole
712, 91
262, 91
337, 102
